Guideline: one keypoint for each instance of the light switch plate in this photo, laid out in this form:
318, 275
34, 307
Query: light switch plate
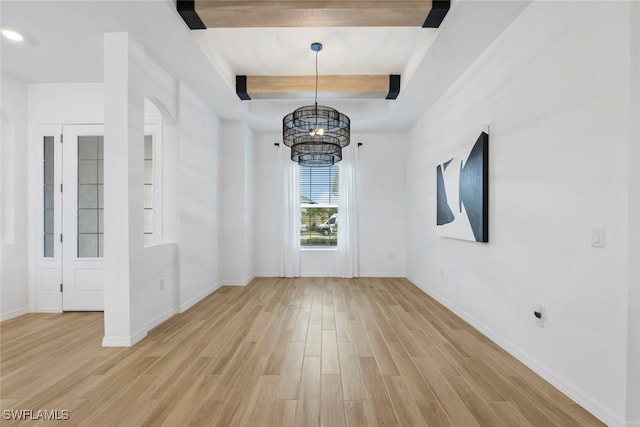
597, 237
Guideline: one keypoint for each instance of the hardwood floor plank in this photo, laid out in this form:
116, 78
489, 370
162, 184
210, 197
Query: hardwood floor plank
451, 402
291, 371
301, 327
282, 413
308, 407
343, 329
363, 348
260, 401
381, 407
330, 361
357, 413
583, 417
383, 356
206, 414
352, 385
314, 339
509, 415
274, 362
281, 352
415, 381
405, 406
331, 402
434, 414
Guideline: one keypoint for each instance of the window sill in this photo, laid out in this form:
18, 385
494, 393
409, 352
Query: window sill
317, 249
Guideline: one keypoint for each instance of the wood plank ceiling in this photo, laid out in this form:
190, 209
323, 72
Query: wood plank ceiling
313, 13
203, 14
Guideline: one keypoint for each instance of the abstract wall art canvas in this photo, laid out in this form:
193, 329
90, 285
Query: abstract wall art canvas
463, 193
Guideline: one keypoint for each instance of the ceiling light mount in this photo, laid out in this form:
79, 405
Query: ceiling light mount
316, 47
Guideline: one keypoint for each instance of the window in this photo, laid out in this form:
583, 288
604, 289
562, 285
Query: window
48, 193
148, 190
90, 196
319, 206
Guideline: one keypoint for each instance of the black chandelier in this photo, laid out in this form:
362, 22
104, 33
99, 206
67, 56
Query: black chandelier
316, 133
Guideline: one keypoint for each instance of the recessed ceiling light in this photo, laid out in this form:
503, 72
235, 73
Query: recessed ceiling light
13, 35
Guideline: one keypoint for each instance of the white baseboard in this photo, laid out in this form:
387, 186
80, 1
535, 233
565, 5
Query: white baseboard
161, 318
192, 301
13, 313
321, 274
49, 310
580, 397
124, 341
269, 274
386, 275
244, 282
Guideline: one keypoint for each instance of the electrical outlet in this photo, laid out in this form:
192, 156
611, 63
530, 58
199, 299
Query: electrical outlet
539, 315
161, 284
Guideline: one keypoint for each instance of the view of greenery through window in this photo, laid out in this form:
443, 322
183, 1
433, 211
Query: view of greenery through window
319, 206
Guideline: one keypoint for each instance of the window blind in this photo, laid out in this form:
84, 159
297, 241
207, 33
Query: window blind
319, 185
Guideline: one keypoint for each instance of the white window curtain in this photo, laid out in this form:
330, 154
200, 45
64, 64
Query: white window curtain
348, 239
290, 209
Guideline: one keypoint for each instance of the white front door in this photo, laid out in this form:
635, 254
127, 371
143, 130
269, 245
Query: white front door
82, 218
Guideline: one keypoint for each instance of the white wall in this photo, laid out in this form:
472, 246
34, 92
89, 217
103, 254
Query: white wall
267, 218
66, 103
236, 204
633, 334
13, 199
199, 200
555, 92
381, 209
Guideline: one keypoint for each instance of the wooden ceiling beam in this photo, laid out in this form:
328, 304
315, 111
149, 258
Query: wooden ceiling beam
293, 87
200, 14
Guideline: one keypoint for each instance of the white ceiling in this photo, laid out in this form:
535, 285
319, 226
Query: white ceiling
287, 52
64, 44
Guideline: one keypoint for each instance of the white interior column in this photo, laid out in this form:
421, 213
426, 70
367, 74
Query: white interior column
236, 206
633, 300
123, 189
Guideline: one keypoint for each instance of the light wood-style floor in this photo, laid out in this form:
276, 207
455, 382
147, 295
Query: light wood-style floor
280, 352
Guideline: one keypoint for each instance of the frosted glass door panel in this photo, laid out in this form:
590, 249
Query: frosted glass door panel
90, 186
48, 213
